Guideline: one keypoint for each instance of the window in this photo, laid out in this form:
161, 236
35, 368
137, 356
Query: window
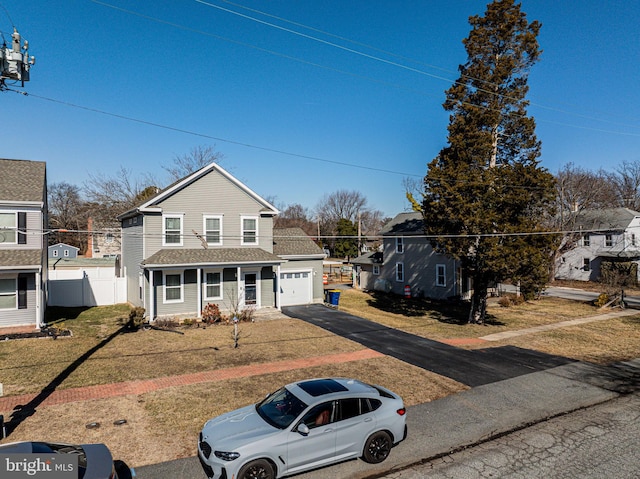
586, 264
66, 253
376, 269
8, 225
8, 293
349, 408
173, 287
586, 240
172, 230
441, 275
633, 239
108, 238
249, 230
54, 253
213, 229
399, 244
400, 272
608, 240
213, 285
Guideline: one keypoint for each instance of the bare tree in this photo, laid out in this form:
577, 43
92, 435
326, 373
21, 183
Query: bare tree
579, 189
296, 215
110, 196
67, 212
197, 158
626, 183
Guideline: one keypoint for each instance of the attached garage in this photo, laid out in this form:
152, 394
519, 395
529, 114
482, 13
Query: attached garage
296, 287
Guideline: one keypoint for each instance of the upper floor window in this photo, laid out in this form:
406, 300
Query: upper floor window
399, 244
66, 253
213, 229
608, 240
376, 269
633, 239
441, 275
586, 264
249, 230
400, 272
13, 227
173, 289
586, 240
54, 253
108, 238
172, 230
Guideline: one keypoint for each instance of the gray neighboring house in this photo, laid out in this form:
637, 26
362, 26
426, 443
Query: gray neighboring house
408, 264
23, 252
208, 238
62, 250
609, 235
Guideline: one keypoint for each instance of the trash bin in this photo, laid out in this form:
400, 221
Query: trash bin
333, 297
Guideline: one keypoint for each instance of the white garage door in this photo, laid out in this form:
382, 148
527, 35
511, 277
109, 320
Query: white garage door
295, 287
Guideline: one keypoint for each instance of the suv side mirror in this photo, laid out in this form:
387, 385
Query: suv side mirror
303, 429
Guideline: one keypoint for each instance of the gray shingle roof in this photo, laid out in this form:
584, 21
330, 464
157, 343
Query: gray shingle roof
374, 257
22, 180
612, 219
294, 242
212, 256
20, 258
404, 223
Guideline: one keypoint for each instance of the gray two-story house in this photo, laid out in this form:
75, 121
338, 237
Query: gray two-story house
600, 237
23, 250
208, 238
408, 265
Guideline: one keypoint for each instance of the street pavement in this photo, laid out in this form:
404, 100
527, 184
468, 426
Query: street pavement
511, 390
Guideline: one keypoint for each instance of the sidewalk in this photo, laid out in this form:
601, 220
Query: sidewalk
9, 403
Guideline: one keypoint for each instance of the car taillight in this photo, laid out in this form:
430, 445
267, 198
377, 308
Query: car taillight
401, 411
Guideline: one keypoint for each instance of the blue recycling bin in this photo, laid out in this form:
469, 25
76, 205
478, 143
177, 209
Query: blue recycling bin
333, 297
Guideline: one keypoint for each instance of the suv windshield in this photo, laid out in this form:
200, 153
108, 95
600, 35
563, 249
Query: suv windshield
280, 408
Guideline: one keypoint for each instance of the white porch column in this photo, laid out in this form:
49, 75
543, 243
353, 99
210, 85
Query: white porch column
152, 302
278, 295
199, 294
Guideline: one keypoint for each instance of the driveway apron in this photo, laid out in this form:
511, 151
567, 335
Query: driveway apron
470, 367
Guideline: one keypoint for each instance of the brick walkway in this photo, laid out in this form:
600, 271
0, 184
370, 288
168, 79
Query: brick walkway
9, 403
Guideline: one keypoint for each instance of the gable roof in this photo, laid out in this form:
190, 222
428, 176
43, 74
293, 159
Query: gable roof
608, 219
63, 245
23, 181
407, 223
372, 257
289, 242
150, 205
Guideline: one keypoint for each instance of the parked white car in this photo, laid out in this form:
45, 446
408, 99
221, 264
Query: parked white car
302, 426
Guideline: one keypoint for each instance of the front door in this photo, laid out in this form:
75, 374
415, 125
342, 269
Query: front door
249, 293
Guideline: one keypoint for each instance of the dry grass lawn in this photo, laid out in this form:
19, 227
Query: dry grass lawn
163, 425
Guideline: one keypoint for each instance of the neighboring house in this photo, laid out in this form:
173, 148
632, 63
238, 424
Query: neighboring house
23, 252
104, 240
64, 251
408, 264
602, 238
208, 238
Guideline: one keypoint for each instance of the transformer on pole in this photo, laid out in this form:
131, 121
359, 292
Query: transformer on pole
15, 61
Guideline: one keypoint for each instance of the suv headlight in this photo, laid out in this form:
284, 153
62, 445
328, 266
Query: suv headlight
227, 456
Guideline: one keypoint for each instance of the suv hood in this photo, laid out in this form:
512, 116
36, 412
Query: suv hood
235, 429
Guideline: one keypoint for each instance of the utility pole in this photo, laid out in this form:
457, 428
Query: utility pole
15, 62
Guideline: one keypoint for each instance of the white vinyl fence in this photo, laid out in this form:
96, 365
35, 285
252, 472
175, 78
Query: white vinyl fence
86, 287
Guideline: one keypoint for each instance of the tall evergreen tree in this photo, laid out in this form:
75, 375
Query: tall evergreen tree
486, 187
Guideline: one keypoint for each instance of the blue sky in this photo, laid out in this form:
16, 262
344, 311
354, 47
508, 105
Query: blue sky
299, 113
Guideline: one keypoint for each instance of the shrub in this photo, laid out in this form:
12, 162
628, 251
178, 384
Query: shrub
136, 318
511, 299
211, 314
603, 298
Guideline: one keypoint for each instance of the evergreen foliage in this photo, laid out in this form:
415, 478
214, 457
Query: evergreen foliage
486, 187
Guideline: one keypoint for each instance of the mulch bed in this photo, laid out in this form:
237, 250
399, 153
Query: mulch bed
53, 333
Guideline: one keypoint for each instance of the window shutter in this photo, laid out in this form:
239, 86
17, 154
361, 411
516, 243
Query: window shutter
22, 291
22, 227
